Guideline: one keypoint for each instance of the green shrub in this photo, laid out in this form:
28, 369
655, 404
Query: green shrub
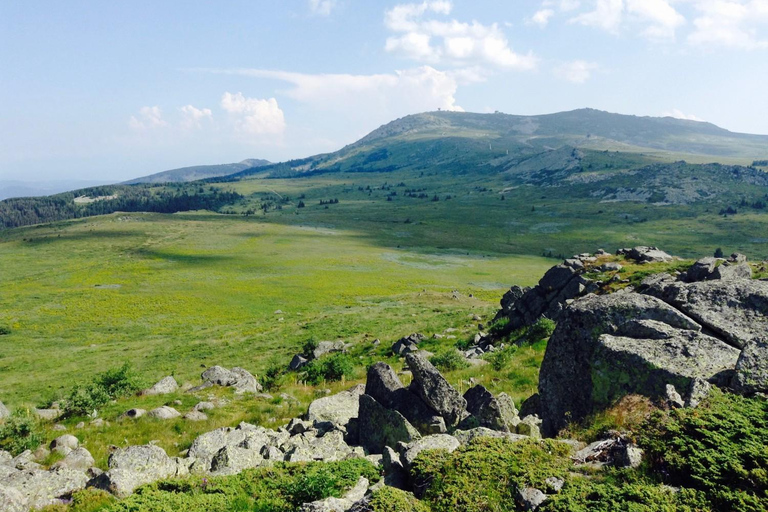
4, 330
542, 329
309, 347
720, 448
20, 432
110, 385
501, 358
331, 368
499, 327
449, 360
271, 377
389, 499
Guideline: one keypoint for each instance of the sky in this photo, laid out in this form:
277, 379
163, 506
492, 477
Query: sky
108, 91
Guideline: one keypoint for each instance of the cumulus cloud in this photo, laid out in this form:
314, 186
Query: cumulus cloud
659, 18
147, 119
577, 71
421, 37
254, 116
730, 23
193, 117
677, 114
541, 17
607, 15
322, 7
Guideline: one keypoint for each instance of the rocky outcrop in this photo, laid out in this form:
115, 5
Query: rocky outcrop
238, 378
407, 344
380, 427
752, 368
610, 346
338, 409
497, 413
643, 254
429, 385
134, 466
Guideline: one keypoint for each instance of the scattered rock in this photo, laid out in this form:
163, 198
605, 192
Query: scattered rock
627, 455
752, 368
163, 387
298, 362
698, 391
164, 413
205, 406
78, 459
328, 347
42, 488
231, 460
66, 441
611, 267
134, 413
195, 415
554, 484
644, 254
242, 380
407, 344
530, 426
47, 414
530, 498
673, 398
488, 411
134, 466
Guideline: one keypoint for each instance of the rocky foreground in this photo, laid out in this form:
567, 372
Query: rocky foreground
669, 338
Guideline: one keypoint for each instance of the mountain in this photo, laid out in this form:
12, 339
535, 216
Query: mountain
198, 172
476, 140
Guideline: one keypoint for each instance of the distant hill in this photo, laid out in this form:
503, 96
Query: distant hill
198, 172
462, 140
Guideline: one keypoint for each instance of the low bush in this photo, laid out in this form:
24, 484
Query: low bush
501, 358
4, 330
449, 360
271, 378
110, 385
332, 368
22, 431
389, 499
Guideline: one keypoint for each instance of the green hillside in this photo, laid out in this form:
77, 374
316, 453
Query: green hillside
198, 172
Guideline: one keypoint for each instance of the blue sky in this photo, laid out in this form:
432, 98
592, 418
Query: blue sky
112, 90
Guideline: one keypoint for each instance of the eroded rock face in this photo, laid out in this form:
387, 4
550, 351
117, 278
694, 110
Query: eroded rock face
134, 466
752, 368
338, 409
489, 411
380, 427
429, 385
609, 346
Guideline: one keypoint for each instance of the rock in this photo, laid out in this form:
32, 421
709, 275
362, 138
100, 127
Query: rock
41, 453
698, 391
554, 484
627, 455
78, 459
435, 391
272, 453
611, 267
466, 436
134, 466
673, 398
195, 415
380, 427
593, 358
12, 500
433, 442
42, 488
530, 498
207, 445
47, 414
752, 368
407, 344
164, 413
488, 410
701, 270
297, 426
98, 422
298, 362
163, 387
205, 406
242, 380
4, 412
735, 310
644, 254
732, 271
80, 425
530, 426
65, 441
338, 408
59, 428
231, 460
354, 495
327, 347
385, 387
134, 413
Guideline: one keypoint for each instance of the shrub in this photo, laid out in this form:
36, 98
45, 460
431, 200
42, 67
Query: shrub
309, 347
20, 432
720, 448
500, 359
449, 360
271, 377
110, 385
390, 499
331, 368
4, 330
542, 329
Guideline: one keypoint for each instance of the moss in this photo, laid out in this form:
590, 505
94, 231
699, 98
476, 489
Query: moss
389, 499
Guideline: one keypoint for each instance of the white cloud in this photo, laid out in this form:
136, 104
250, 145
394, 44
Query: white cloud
730, 23
148, 118
449, 42
193, 117
607, 15
677, 114
322, 7
254, 116
542, 17
659, 19
577, 72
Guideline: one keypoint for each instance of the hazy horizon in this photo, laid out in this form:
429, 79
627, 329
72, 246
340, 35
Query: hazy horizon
107, 93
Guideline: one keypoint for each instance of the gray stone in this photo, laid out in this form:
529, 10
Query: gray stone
219, 375
407, 344
47, 414
12, 500
164, 413
298, 426
4, 412
205, 406
354, 495
134, 466
338, 408
78, 459
530, 426
611, 267
627, 455
435, 391
466, 436
554, 484
698, 391
134, 413
328, 347
272, 453
591, 360
380, 427
42, 488
673, 398
163, 387
385, 387
732, 271
298, 362
488, 410
65, 441
231, 460
59, 428
242, 380
530, 498
195, 415
644, 254
752, 368
207, 445
433, 442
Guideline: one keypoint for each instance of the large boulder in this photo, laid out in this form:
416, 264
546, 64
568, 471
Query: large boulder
435, 391
242, 380
328, 347
64, 443
337, 409
380, 427
78, 459
231, 460
385, 387
135, 466
643, 254
164, 413
42, 488
735, 310
489, 411
12, 500
163, 387
407, 344
608, 346
752, 368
